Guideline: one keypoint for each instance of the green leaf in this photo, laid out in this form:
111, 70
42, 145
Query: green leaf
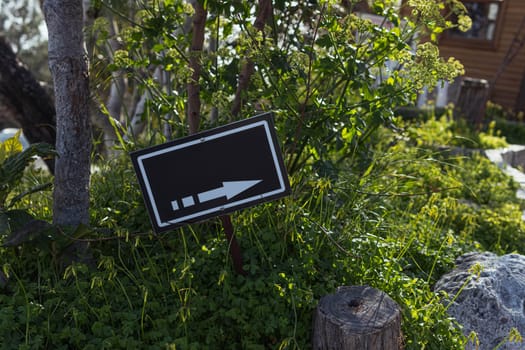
32, 190
12, 169
81, 231
10, 146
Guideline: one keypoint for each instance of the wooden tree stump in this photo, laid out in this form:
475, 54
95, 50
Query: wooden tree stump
472, 100
357, 318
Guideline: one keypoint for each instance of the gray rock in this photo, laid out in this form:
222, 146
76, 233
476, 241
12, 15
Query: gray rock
491, 304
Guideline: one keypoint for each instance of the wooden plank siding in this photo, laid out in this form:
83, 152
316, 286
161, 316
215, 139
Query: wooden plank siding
485, 63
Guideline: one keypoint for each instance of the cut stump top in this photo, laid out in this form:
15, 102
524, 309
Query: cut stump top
357, 318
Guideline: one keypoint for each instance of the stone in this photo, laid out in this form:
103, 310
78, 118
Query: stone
491, 301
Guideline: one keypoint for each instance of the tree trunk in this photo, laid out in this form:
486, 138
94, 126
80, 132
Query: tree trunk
197, 42
357, 318
68, 65
24, 103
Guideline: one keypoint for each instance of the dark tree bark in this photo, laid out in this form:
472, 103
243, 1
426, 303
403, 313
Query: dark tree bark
24, 103
197, 42
68, 65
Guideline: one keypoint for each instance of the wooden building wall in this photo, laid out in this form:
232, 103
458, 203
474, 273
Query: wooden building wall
486, 63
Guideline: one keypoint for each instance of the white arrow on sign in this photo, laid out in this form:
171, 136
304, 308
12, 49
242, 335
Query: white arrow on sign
229, 189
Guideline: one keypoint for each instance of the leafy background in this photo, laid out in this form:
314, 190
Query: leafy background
378, 198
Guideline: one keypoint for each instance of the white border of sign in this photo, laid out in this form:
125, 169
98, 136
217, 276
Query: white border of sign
182, 219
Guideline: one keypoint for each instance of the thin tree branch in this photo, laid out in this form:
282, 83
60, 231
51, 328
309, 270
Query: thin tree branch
197, 43
24, 101
303, 106
264, 12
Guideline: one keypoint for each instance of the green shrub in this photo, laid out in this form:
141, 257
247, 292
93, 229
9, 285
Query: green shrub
179, 289
395, 221
514, 131
443, 130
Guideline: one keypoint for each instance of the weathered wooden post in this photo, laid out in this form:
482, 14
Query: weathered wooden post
357, 318
472, 100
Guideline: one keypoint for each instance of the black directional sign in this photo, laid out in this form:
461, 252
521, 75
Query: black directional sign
211, 173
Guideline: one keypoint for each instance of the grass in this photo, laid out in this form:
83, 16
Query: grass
395, 221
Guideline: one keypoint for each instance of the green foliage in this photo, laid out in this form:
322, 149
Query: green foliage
375, 200
506, 123
514, 131
445, 131
179, 289
14, 160
484, 207
395, 221
331, 76
116, 202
